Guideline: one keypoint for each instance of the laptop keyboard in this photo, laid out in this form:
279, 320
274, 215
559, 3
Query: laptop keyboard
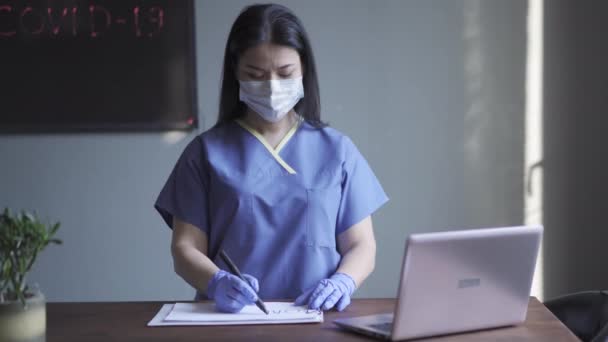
388, 326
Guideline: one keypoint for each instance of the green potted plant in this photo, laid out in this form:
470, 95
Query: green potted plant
22, 309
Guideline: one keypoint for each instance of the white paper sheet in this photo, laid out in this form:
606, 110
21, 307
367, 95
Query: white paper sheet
206, 314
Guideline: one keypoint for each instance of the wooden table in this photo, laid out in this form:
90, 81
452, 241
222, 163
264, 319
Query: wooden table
126, 321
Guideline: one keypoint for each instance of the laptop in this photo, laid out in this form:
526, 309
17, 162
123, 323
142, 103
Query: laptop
458, 281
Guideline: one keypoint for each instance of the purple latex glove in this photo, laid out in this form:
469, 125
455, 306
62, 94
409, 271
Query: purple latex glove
335, 291
230, 293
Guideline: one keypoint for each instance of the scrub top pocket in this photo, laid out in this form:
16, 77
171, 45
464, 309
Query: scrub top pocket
322, 213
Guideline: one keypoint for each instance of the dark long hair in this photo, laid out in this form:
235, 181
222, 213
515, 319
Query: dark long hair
276, 24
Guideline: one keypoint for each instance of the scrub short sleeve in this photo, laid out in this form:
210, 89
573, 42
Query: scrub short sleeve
362, 193
185, 194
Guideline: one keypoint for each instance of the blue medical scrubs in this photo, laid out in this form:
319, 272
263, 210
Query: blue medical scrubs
275, 211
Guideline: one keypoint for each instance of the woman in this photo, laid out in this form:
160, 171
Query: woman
288, 198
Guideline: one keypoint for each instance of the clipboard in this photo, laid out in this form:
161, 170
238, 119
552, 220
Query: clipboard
189, 314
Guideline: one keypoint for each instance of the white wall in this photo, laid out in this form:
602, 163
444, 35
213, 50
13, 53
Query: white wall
401, 78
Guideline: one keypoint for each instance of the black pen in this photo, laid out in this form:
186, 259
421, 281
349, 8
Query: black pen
237, 273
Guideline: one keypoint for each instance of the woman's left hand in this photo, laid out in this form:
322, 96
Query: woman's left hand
334, 291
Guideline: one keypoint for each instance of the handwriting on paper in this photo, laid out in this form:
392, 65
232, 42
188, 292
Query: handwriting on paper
294, 310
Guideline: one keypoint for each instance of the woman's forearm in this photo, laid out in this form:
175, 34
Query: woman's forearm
193, 266
359, 261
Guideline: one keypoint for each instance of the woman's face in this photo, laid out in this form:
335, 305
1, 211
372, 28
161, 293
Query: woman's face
269, 62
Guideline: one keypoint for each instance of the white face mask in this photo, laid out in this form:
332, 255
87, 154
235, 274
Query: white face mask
271, 99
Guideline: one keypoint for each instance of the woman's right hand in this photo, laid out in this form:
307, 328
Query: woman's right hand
230, 293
